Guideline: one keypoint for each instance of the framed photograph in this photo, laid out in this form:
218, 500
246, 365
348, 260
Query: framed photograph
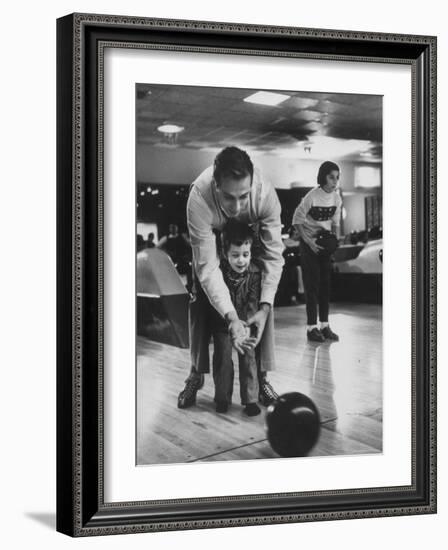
246, 274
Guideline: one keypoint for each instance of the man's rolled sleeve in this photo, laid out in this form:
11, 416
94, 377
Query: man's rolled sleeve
205, 257
272, 245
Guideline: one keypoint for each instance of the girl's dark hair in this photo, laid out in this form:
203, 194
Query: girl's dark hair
234, 163
237, 233
324, 169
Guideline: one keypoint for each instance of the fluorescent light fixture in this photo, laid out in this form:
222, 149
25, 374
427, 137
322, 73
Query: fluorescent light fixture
170, 129
367, 176
266, 98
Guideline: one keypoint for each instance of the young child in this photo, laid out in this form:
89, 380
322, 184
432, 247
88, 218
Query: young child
319, 211
243, 279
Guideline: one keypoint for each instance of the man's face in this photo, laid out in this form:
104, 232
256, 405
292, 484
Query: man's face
233, 195
239, 256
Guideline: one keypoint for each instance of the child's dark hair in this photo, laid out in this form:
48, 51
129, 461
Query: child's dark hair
237, 233
326, 168
234, 163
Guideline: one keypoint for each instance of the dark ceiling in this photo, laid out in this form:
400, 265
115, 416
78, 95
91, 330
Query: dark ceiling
307, 122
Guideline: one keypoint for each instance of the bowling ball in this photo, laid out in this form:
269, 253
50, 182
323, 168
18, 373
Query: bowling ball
328, 241
293, 424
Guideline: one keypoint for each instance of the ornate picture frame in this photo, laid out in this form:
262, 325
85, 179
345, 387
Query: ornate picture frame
81, 506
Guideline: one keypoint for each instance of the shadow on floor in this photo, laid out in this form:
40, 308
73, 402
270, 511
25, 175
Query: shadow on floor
48, 519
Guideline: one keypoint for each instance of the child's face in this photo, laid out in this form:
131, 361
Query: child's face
331, 181
239, 256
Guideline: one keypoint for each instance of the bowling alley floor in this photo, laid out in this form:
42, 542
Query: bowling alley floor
344, 379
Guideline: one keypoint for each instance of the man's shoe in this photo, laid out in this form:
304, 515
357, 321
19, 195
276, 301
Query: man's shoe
267, 394
315, 335
187, 396
328, 334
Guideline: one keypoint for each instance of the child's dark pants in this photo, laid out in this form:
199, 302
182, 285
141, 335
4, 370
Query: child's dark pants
223, 371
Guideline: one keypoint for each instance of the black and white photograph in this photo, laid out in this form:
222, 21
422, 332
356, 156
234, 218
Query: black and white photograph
259, 265
162, 323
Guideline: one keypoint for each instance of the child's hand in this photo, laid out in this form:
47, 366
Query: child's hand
257, 323
249, 343
238, 334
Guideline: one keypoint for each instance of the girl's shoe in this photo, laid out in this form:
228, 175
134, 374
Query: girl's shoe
328, 334
315, 335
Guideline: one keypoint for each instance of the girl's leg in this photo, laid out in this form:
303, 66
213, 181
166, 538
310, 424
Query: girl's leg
324, 287
309, 263
324, 299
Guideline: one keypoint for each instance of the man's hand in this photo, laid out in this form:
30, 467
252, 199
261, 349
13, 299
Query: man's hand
238, 335
238, 331
259, 321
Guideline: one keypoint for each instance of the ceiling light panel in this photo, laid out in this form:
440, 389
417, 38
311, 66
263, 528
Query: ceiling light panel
170, 129
266, 98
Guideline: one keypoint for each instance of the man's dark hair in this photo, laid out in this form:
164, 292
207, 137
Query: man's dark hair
237, 233
326, 168
234, 163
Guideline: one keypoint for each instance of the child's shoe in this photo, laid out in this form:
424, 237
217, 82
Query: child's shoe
222, 406
252, 409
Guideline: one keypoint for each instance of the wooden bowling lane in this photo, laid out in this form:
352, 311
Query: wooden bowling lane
331, 443
344, 379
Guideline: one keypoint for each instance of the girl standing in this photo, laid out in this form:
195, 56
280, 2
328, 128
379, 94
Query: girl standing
319, 211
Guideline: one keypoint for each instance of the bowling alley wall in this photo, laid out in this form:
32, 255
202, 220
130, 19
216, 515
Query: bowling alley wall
163, 166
